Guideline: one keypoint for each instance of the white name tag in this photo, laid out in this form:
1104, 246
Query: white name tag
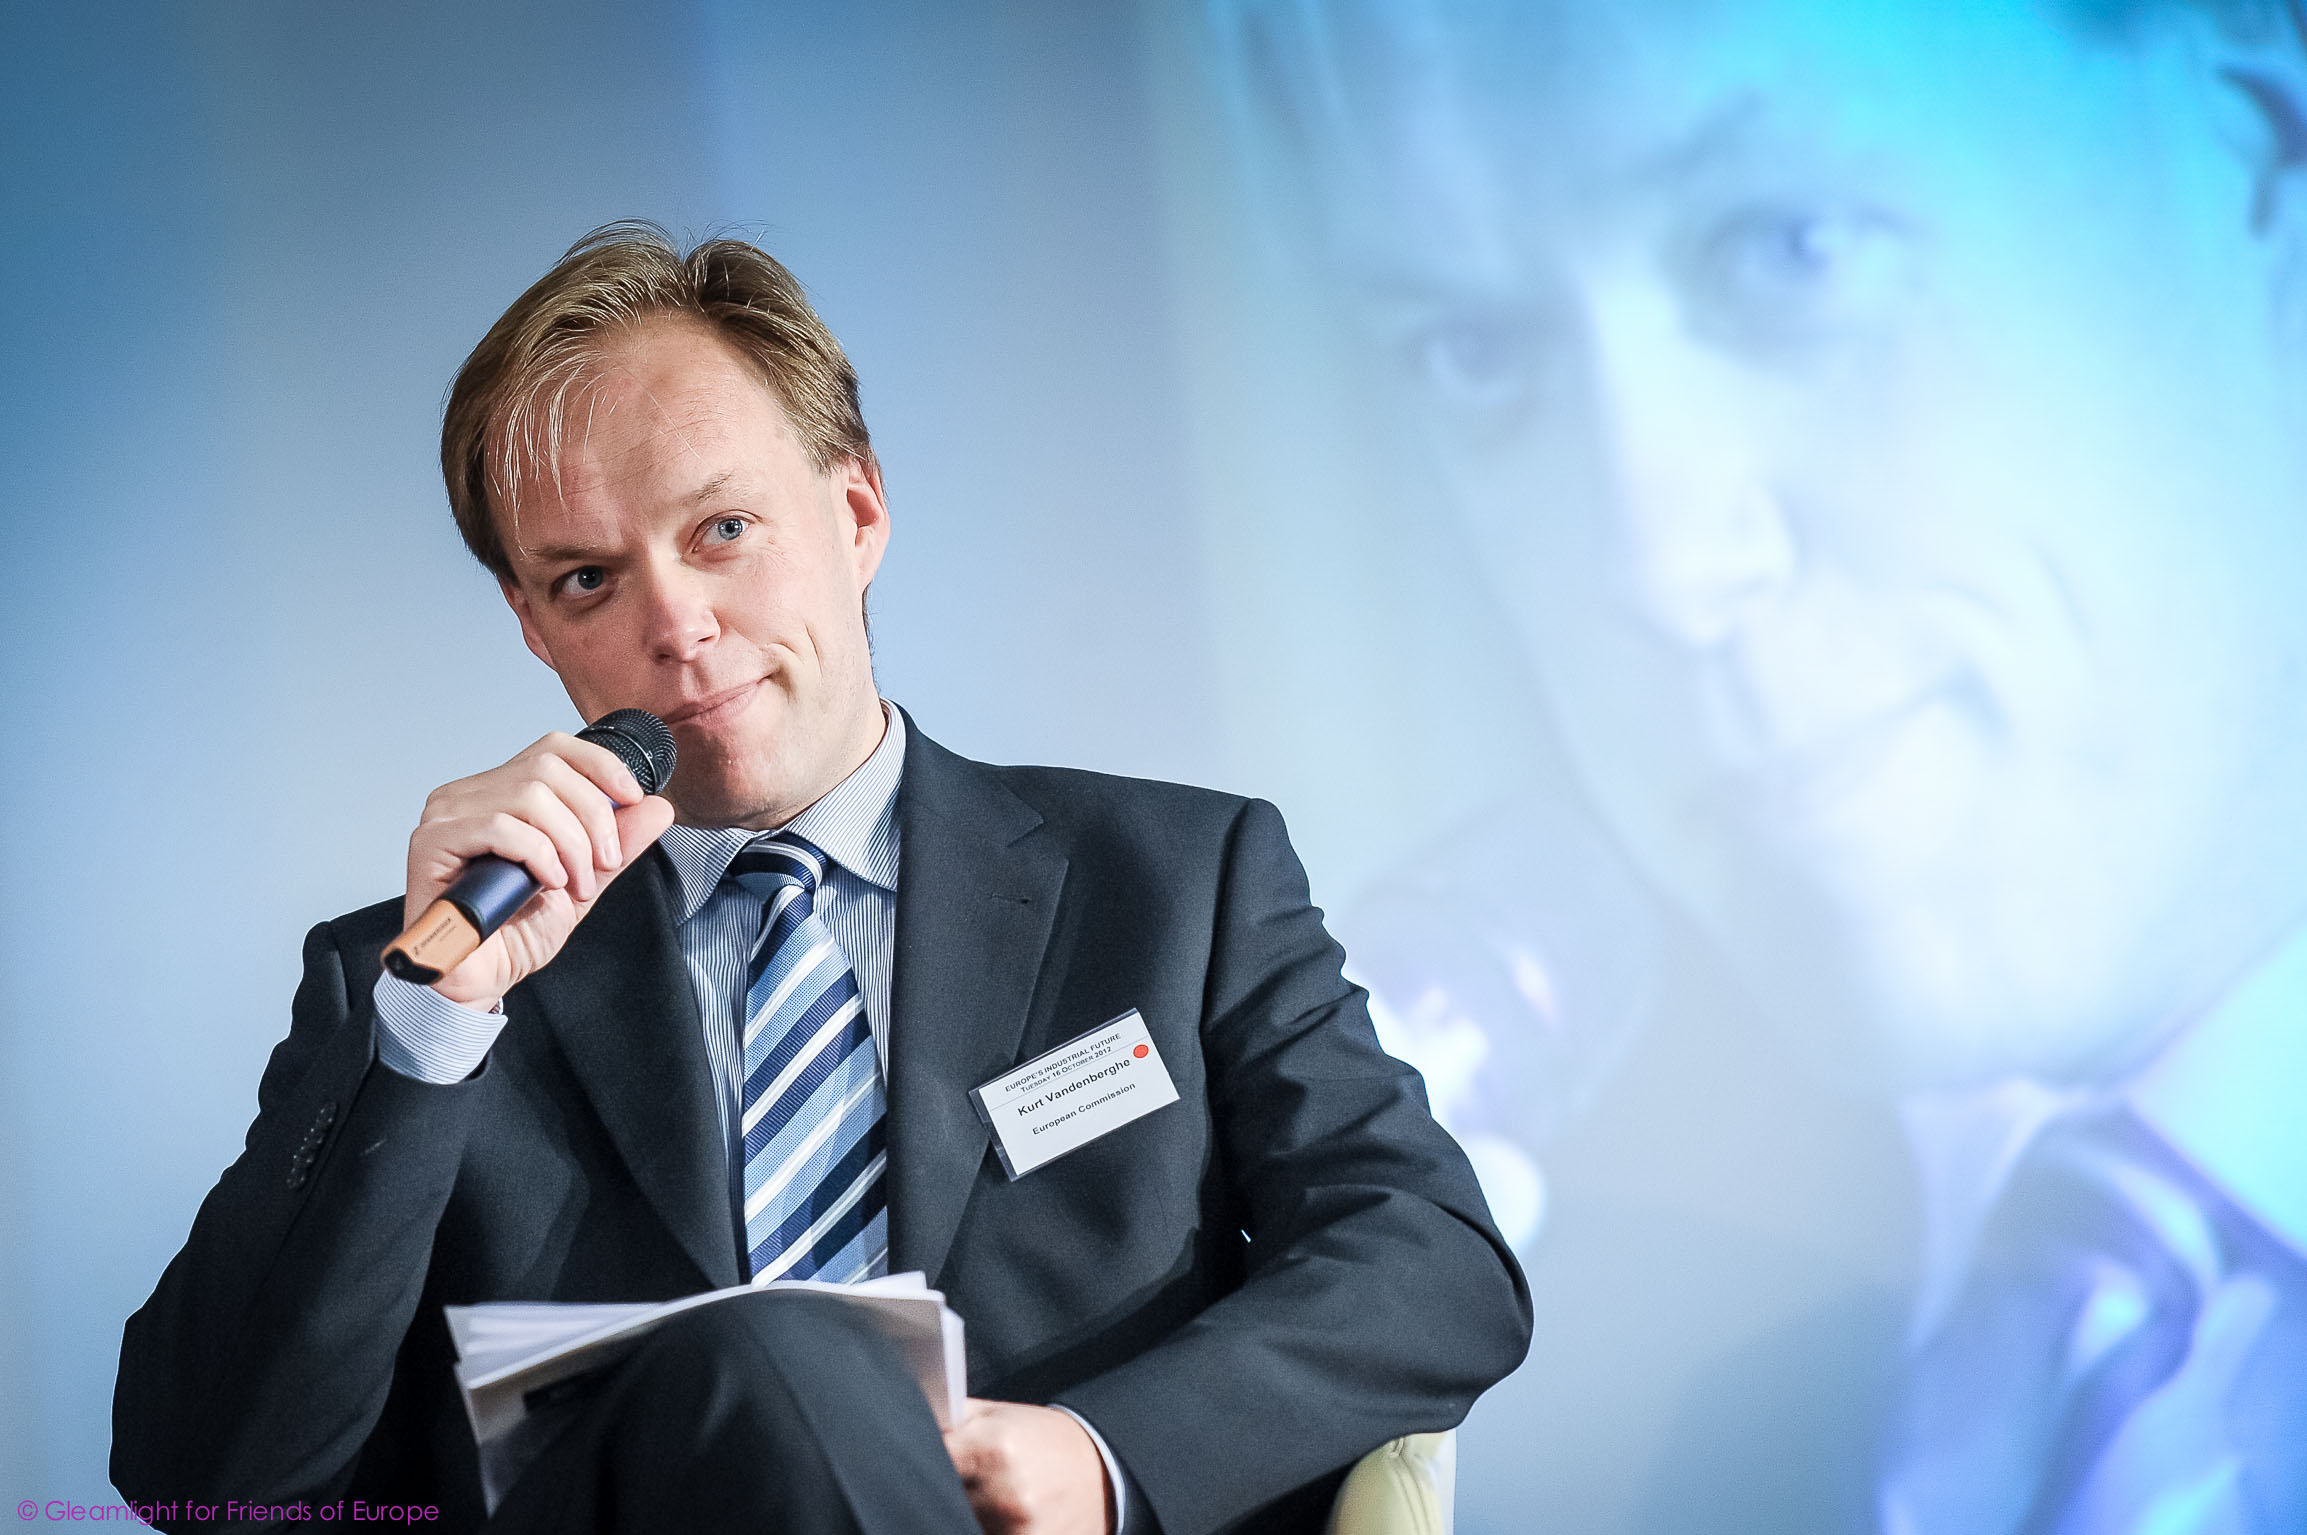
1063, 1099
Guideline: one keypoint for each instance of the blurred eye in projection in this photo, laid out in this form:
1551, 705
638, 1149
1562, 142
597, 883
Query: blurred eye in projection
1787, 277
1477, 373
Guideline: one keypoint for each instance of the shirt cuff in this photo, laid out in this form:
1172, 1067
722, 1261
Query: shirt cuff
1113, 1481
422, 1034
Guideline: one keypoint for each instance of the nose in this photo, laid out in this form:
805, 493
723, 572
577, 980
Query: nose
680, 619
1705, 538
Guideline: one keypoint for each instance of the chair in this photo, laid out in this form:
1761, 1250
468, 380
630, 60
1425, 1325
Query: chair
1406, 1486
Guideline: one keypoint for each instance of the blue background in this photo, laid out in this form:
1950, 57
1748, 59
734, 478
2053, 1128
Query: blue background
1145, 521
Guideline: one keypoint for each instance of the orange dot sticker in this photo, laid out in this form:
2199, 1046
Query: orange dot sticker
1140, 1051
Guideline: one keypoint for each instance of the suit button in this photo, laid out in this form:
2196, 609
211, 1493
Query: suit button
301, 1160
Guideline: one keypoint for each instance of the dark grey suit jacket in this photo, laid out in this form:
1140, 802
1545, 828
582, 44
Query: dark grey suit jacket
1245, 1291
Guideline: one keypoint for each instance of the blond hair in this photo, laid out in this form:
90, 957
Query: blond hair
507, 411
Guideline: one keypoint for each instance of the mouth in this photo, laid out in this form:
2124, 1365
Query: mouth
1830, 771
711, 709
1862, 773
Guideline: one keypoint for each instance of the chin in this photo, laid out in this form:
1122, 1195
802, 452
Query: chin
705, 796
1930, 1000
722, 808
720, 781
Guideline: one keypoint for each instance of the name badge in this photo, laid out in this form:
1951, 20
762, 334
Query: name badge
1063, 1099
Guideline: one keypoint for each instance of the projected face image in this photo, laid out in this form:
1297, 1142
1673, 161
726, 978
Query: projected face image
1880, 424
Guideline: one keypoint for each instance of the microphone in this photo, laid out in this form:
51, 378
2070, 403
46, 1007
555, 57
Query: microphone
491, 889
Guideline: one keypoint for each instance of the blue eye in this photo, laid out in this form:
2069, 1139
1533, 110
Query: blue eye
1794, 274
585, 578
728, 530
1783, 251
1475, 366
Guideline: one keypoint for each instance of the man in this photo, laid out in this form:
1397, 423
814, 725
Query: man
1885, 425
745, 1052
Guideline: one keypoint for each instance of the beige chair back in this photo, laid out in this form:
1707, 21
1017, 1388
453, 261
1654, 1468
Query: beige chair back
1404, 1487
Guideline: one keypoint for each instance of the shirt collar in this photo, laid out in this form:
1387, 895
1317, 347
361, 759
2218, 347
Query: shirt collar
1965, 1142
2227, 1094
855, 825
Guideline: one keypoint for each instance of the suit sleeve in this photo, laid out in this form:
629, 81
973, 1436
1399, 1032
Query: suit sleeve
1380, 1299
258, 1368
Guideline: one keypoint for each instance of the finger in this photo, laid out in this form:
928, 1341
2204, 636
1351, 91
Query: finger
542, 808
484, 977
523, 945
535, 933
511, 838
440, 850
638, 827
603, 767
593, 808
972, 1456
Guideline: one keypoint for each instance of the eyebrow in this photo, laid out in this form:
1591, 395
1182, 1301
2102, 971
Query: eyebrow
557, 554
1721, 135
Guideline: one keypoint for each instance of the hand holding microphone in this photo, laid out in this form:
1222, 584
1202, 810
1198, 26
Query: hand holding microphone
557, 823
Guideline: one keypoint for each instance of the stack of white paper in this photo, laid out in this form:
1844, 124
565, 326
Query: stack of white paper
520, 1363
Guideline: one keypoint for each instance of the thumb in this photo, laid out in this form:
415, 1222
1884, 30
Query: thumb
965, 1441
640, 825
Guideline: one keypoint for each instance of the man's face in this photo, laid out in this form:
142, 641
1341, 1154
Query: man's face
1878, 421
688, 559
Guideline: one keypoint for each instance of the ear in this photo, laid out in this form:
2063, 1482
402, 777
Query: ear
518, 601
2276, 93
864, 517
2259, 72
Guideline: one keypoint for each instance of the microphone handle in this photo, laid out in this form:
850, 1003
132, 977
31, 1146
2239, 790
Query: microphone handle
484, 896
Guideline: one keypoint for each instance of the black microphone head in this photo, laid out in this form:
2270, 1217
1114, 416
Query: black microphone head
643, 742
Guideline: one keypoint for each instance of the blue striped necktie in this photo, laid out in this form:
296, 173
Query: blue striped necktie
2125, 1359
815, 1108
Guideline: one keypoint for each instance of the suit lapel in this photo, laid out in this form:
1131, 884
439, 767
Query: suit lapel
977, 897
619, 1000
